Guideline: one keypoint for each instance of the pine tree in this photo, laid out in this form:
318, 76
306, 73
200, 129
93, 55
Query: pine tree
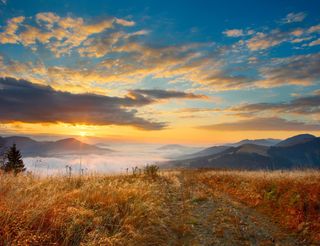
14, 162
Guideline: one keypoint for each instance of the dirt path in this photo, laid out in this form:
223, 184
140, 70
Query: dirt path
219, 220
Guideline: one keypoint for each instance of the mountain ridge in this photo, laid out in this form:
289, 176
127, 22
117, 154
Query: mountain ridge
302, 154
68, 146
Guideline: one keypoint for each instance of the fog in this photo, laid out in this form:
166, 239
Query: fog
123, 157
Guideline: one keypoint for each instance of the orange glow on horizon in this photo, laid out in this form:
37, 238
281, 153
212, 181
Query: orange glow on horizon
183, 135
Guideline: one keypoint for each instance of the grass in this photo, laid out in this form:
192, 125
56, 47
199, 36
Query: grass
92, 210
291, 198
143, 209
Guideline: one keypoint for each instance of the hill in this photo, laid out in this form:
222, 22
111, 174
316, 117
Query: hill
69, 146
218, 149
264, 142
179, 207
295, 152
302, 138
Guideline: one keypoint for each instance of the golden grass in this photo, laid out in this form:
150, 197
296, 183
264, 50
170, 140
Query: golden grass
139, 210
93, 210
291, 198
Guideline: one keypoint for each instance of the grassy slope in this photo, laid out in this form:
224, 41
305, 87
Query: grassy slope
95, 210
137, 210
291, 198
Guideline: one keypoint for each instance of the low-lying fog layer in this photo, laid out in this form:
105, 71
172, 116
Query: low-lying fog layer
125, 156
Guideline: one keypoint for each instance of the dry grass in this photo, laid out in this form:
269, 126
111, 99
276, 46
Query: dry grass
291, 198
93, 210
142, 210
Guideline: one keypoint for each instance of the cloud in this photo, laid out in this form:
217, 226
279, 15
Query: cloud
198, 110
23, 101
275, 37
294, 17
162, 94
263, 124
9, 35
261, 41
128, 56
295, 70
314, 29
59, 34
234, 33
315, 42
124, 22
301, 105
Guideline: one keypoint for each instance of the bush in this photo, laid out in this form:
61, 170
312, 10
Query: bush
151, 171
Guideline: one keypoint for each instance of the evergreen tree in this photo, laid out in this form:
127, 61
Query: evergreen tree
13, 162
2, 158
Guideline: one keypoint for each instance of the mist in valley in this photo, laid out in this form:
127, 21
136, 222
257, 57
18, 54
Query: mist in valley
123, 158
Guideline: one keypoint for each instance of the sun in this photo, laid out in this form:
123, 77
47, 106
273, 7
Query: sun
82, 134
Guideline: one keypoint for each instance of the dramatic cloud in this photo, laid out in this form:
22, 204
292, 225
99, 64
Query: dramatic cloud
234, 33
23, 101
114, 52
294, 17
263, 124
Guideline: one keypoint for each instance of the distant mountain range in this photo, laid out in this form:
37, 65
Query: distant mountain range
218, 149
264, 142
68, 146
301, 151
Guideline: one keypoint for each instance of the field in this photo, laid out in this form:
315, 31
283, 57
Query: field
176, 207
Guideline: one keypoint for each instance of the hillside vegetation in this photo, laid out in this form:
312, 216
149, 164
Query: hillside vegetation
173, 208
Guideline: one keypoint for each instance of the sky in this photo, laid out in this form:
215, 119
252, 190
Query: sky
195, 72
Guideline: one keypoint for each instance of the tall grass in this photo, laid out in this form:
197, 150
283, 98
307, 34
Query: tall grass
143, 209
92, 210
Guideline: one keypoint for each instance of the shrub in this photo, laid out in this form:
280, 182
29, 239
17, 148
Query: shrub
151, 171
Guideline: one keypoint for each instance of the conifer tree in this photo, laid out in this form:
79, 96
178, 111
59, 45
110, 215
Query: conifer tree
13, 162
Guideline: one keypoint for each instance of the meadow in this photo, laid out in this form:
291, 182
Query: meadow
177, 207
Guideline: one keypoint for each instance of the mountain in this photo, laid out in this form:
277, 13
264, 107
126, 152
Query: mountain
69, 146
301, 154
206, 152
264, 142
218, 149
296, 140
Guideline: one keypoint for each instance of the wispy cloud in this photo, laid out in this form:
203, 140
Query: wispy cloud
263, 124
301, 105
294, 70
294, 17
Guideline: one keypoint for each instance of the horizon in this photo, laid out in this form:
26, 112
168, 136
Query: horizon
173, 72
100, 141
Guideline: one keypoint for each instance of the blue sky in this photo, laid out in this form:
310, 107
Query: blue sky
229, 63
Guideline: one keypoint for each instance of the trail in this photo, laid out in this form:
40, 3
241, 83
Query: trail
220, 220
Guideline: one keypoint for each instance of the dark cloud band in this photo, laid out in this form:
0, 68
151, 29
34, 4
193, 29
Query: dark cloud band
23, 101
